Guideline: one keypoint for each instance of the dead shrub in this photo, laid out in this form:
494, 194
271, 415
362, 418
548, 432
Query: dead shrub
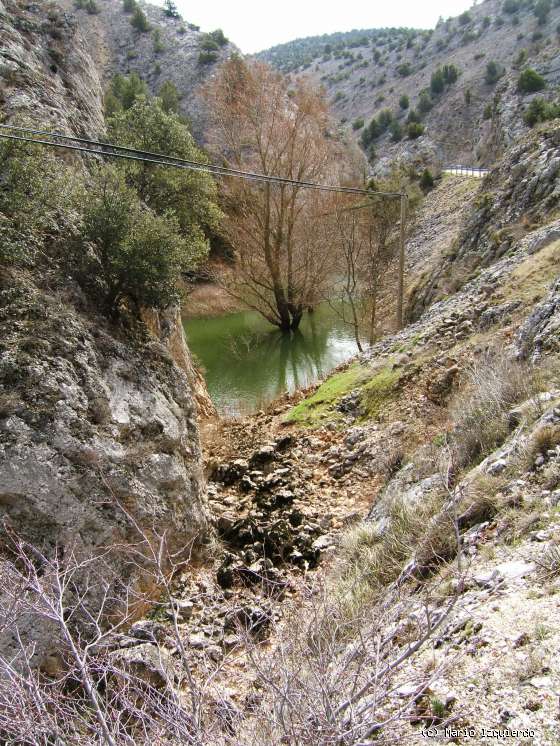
549, 562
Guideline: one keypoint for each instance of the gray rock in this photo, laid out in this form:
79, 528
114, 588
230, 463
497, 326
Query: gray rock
183, 608
150, 663
107, 424
516, 569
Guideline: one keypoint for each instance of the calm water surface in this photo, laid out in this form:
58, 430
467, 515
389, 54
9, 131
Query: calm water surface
248, 363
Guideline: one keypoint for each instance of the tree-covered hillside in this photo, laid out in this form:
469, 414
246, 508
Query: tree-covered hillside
458, 93
301, 53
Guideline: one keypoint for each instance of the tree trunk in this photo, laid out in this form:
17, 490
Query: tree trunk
296, 319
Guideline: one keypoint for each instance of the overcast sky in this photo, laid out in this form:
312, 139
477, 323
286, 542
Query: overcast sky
258, 24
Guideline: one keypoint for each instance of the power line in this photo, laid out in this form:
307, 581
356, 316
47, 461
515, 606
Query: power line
119, 151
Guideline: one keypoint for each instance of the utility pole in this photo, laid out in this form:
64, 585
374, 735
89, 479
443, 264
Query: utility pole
400, 291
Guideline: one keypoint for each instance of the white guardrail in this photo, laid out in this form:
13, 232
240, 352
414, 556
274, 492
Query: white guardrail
478, 173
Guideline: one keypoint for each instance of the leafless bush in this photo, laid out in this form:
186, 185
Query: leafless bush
329, 682
84, 688
329, 677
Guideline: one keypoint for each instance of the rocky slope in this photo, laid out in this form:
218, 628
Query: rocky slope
383, 439
45, 69
366, 72
516, 198
173, 54
353, 467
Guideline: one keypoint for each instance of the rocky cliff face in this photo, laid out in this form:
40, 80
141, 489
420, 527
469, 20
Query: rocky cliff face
117, 47
516, 197
46, 71
94, 418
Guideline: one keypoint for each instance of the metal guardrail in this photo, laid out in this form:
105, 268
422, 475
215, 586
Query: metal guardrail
478, 173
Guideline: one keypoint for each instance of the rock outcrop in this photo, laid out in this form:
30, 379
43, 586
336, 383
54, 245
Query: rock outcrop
46, 71
98, 422
515, 198
172, 55
96, 428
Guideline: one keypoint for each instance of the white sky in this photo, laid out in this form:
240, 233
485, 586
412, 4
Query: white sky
258, 24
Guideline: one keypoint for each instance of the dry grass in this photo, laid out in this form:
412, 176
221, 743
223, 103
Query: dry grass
371, 557
549, 562
544, 439
481, 410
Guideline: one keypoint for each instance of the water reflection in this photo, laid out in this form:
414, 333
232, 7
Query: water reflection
247, 363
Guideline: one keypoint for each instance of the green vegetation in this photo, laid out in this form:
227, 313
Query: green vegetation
188, 195
376, 127
34, 192
493, 73
465, 18
207, 58
396, 131
413, 116
425, 103
123, 92
426, 180
139, 20
404, 102
213, 41
378, 391
521, 58
314, 409
129, 230
169, 97
136, 256
301, 52
404, 70
158, 43
542, 10
511, 6
358, 124
443, 76
374, 391
129, 6
541, 110
170, 9
88, 5
487, 114
415, 130
530, 81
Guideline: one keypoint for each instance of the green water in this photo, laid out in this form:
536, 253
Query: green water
248, 363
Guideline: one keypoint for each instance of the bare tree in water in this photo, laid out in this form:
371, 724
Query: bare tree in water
265, 124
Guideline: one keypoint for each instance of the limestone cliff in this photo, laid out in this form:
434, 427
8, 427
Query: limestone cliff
46, 72
94, 417
171, 55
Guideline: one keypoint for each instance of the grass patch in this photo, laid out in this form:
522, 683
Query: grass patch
481, 409
378, 391
314, 409
530, 279
371, 557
